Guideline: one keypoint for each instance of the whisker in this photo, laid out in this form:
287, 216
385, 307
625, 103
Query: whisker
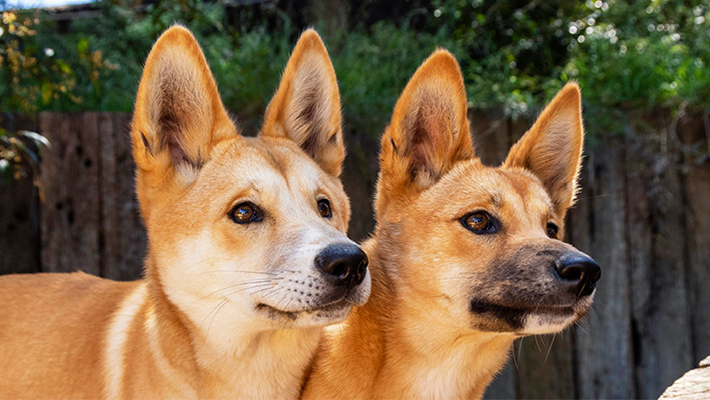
537, 342
250, 272
263, 289
219, 307
579, 294
242, 272
554, 335
213, 310
258, 281
266, 285
580, 328
515, 359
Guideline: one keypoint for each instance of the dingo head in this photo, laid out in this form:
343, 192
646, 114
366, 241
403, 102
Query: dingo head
245, 227
481, 247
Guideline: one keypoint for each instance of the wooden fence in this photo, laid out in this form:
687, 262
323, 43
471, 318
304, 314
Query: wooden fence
643, 213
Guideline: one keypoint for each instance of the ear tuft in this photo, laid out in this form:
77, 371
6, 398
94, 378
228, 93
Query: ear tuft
552, 148
306, 106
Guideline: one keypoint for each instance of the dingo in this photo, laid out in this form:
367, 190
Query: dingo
465, 258
247, 258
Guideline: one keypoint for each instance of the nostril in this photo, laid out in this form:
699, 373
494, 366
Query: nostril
578, 272
362, 267
571, 272
361, 270
340, 270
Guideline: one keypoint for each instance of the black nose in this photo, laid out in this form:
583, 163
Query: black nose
578, 272
343, 264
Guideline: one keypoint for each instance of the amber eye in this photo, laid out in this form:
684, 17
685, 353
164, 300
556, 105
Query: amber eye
552, 230
480, 222
245, 213
324, 208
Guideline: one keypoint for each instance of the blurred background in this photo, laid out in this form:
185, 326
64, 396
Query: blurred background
69, 75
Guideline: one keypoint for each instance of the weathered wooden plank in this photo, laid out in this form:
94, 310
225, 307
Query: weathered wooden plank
19, 212
19, 227
359, 178
698, 189
69, 176
640, 246
123, 238
695, 134
662, 330
491, 136
604, 353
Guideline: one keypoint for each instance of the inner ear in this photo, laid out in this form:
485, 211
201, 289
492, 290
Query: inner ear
429, 132
309, 121
552, 148
179, 115
169, 125
306, 106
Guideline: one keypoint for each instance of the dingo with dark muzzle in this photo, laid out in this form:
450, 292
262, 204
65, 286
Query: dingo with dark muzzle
465, 258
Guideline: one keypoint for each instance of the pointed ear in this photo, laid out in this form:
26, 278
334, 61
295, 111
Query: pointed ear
178, 116
306, 106
429, 131
552, 148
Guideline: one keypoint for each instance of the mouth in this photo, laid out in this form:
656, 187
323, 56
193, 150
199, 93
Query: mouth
483, 307
331, 311
524, 319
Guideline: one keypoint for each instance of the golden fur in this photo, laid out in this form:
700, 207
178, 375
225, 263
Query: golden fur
446, 302
226, 310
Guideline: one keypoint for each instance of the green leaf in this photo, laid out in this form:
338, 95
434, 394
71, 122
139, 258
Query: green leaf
64, 66
83, 46
46, 92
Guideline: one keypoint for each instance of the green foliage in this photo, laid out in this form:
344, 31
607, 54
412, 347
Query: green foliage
32, 75
373, 66
514, 55
641, 55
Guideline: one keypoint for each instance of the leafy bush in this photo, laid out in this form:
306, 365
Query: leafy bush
514, 55
32, 75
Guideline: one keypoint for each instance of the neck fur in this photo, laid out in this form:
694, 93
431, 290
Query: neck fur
224, 360
398, 352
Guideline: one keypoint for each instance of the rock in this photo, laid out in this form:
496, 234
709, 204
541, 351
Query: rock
695, 384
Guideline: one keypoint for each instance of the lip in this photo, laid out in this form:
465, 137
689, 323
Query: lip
293, 314
483, 307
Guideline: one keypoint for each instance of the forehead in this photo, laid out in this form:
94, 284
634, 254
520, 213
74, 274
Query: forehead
472, 184
260, 162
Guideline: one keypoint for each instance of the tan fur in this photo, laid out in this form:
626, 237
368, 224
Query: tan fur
418, 337
225, 310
